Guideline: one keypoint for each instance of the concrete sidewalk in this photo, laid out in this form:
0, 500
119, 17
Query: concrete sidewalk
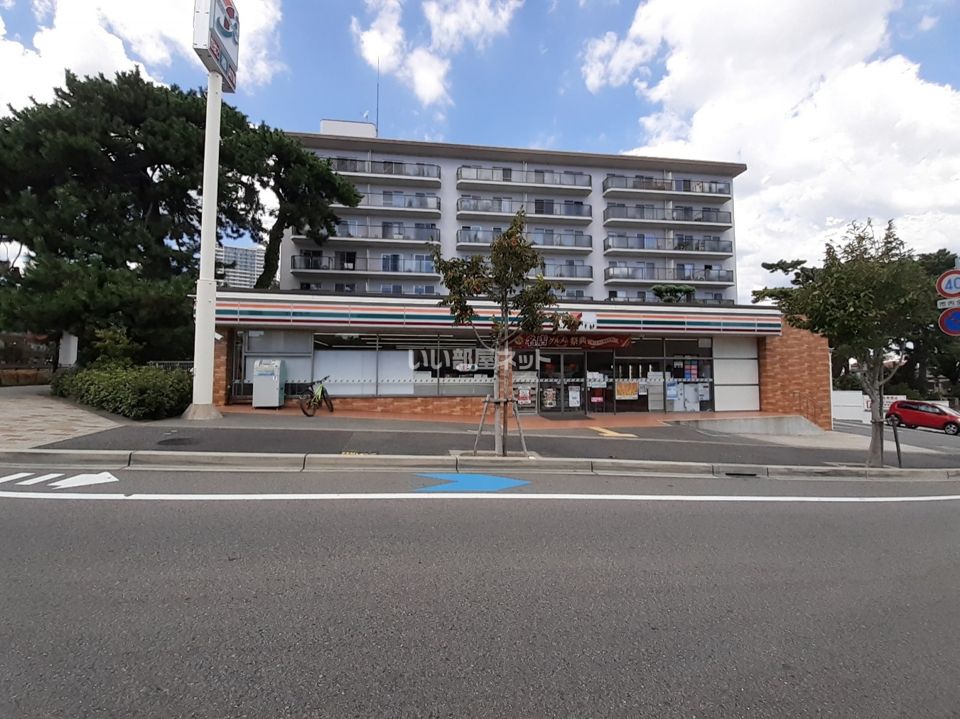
30, 417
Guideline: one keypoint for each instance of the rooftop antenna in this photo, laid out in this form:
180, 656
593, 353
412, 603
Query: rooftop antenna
376, 123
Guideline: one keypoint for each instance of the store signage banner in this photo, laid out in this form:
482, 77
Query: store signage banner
564, 341
216, 38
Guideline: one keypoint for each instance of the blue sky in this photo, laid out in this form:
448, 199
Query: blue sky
842, 109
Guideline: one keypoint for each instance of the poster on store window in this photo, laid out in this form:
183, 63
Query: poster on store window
672, 393
573, 396
548, 398
628, 389
524, 398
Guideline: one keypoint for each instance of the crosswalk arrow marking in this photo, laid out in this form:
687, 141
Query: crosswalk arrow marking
82, 480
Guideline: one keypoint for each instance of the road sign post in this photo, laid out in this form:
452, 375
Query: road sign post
216, 40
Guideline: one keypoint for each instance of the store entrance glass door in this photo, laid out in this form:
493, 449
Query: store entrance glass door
562, 382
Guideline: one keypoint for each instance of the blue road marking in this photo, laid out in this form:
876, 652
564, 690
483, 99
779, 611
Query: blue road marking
470, 483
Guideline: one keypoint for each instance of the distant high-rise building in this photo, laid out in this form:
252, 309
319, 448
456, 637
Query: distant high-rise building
241, 266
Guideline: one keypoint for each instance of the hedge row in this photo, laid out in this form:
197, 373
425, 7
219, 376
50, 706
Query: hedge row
134, 392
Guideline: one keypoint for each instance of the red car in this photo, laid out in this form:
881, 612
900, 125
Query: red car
913, 414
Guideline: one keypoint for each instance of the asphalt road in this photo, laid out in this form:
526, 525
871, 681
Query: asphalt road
675, 443
459, 607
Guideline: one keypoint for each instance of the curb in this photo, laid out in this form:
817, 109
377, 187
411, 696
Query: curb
295, 462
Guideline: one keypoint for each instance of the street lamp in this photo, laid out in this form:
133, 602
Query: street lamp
216, 39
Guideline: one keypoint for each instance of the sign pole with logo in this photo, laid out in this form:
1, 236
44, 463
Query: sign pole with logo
216, 40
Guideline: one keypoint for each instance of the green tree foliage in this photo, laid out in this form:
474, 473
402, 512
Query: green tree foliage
869, 297
304, 185
525, 301
102, 187
672, 294
930, 351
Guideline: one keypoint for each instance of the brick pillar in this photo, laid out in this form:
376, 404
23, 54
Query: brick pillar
222, 367
795, 375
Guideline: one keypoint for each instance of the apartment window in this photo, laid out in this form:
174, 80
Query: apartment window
347, 288
391, 289
543, 207
684, 271
393, 230
345, 260
424, 289
310, 286
503, 173
423, 263
573, 208
390, 263
388, 198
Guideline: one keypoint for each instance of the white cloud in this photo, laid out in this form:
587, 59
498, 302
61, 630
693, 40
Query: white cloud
927, 22
452, 23
427, 74
830, 123
106, 36
383, 43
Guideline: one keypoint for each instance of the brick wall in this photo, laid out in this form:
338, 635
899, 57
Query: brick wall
222, 367
795, 375
455, 406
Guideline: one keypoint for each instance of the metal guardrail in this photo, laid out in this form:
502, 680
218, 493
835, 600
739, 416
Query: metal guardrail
663, 273
363, 264
644, 242
706, 187
677, 214
540, 239
384, 167
527, 177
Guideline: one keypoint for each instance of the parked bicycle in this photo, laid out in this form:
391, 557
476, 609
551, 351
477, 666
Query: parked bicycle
315, 396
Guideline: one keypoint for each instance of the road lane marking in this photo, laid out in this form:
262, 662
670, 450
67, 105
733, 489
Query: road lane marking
41, 478
14, 477
433, 496
473, 483
610, 433
82, 480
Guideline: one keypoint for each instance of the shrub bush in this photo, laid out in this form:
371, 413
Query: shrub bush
60, 384
134, 392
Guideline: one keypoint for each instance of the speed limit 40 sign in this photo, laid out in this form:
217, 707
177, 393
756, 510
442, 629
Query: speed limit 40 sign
948, 284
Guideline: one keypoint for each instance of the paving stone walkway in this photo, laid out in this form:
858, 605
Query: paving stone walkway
30, 417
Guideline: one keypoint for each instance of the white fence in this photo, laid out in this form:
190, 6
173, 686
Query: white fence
854, 406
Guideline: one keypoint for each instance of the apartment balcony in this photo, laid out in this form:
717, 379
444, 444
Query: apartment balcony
568, 273
652, 300
375, 288
677, 217
649, 245
504, 178
647, 276
385, 234
469, 208
414, 174
567, 242
394, 203
622, 187
384, 266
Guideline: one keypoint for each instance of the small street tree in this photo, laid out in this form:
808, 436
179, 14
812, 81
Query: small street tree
869, 297
524, 303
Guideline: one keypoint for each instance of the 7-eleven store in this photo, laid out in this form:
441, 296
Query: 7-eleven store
405, 355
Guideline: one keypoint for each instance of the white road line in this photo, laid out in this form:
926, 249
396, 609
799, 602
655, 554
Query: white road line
14, 477
41, 478
451, 496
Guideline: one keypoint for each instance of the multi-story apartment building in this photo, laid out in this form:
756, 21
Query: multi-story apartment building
362, 307
610, 227
241, 266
